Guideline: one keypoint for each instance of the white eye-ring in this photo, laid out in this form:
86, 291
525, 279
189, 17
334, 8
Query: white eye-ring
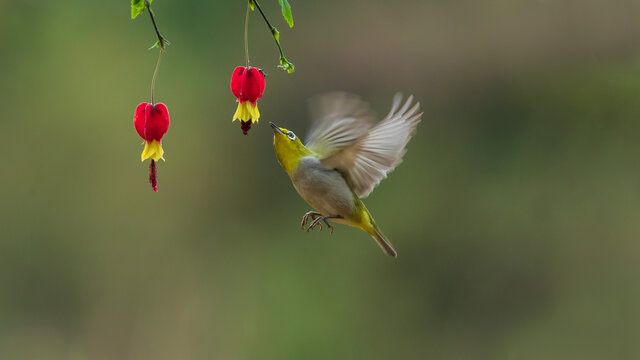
291, 135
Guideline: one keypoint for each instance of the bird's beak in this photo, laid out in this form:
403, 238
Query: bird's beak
276, 128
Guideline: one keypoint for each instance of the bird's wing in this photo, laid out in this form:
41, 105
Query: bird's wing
376, 152
338, 121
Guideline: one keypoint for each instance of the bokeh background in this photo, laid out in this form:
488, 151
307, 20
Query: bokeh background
515, 211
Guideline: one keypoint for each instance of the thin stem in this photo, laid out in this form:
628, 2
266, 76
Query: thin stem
155, 74
273, 30
263, 16
246, 30
155, 26
279, 49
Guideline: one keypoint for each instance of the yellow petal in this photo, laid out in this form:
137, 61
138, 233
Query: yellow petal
152, 150
247, 112
255, 114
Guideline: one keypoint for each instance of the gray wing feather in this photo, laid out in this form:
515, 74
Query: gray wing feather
338, 121
367, 160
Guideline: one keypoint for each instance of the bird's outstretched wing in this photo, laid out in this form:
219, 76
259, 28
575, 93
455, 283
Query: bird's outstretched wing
338, 120
344, 138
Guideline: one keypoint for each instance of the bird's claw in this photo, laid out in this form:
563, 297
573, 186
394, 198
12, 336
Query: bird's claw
328, 225
319, 221
314, 223
305, 218
316, 220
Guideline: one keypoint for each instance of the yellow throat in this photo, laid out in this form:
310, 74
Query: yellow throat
289, 149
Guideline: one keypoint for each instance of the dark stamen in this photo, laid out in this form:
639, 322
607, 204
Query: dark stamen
153, 175
245, 126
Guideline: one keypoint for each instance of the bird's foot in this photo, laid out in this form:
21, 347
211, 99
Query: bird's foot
315, 223
305, 218
320, 220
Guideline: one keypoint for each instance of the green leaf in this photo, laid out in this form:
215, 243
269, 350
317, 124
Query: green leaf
161, 43
251, 5
137, 7
286, 65
286, 11
157, 44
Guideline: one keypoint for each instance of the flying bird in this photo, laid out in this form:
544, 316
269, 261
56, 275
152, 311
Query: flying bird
345, 156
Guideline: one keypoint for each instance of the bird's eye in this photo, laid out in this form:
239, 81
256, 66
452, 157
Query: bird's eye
291, 135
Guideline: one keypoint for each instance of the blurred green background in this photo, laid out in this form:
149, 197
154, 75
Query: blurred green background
515, 211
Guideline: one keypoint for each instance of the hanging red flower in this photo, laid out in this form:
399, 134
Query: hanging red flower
151, 123
247, 85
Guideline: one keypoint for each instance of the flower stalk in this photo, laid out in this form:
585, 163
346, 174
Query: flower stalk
151, 120
161, 40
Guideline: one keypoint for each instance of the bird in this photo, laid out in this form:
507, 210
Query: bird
345, 155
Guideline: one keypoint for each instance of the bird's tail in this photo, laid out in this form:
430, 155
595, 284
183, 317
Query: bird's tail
382, 240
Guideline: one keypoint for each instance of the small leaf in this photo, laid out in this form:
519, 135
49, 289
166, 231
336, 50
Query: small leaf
286, 11
276, 34
137, 7
157, 44
286, 65
251, 5
160, 44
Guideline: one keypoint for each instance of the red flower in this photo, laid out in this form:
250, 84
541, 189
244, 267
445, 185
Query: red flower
151, 123
247, 85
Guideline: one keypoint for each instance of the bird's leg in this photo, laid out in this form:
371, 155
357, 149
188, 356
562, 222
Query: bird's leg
324, 219
306, 216
328, 225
